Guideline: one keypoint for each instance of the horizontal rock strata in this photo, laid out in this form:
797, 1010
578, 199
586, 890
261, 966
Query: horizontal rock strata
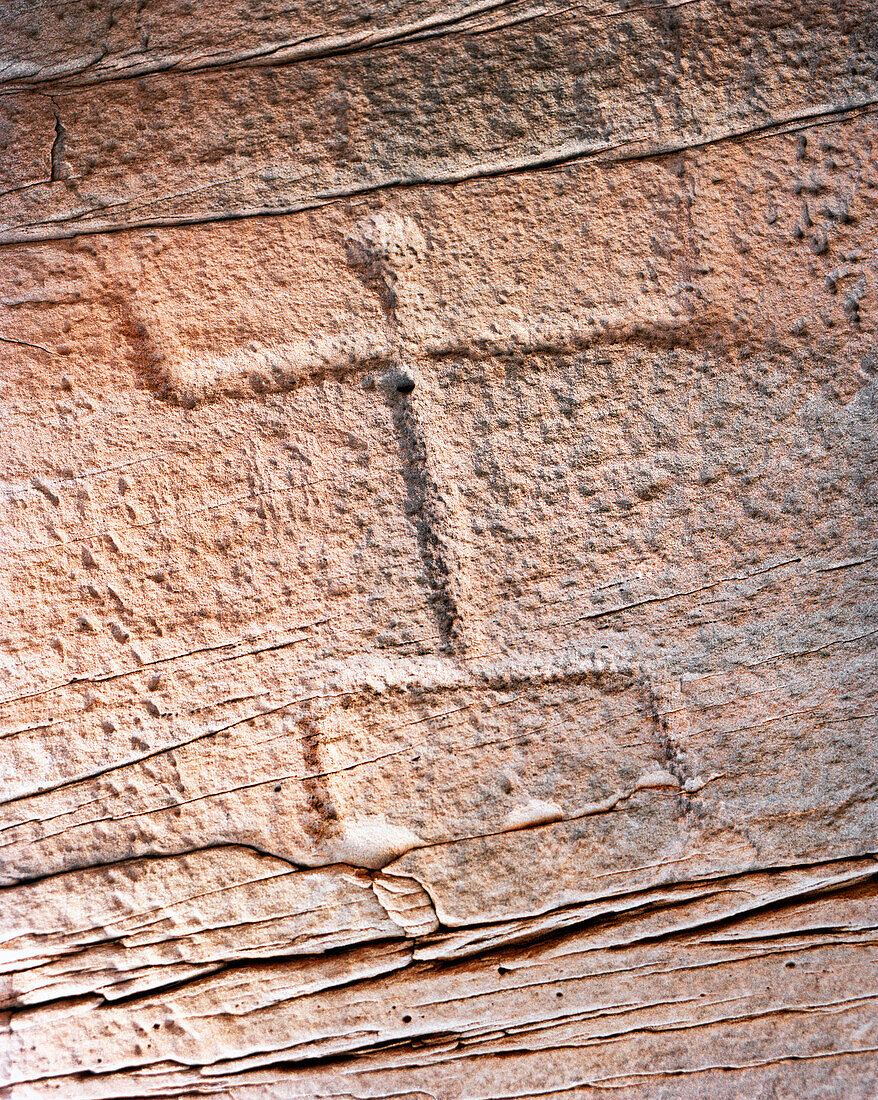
439, 550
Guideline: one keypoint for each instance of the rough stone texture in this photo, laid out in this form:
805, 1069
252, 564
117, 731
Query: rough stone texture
439, 549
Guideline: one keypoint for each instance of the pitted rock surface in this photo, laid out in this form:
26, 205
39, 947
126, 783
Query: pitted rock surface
439, 550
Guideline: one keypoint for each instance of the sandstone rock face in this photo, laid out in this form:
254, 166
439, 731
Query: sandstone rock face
439, 549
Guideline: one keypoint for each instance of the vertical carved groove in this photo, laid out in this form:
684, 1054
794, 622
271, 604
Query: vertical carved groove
429, 513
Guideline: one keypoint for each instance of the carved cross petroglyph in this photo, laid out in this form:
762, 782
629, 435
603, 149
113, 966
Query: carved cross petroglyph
276, 797
386, 252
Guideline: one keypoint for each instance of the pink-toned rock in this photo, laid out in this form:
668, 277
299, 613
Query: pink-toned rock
439, 550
